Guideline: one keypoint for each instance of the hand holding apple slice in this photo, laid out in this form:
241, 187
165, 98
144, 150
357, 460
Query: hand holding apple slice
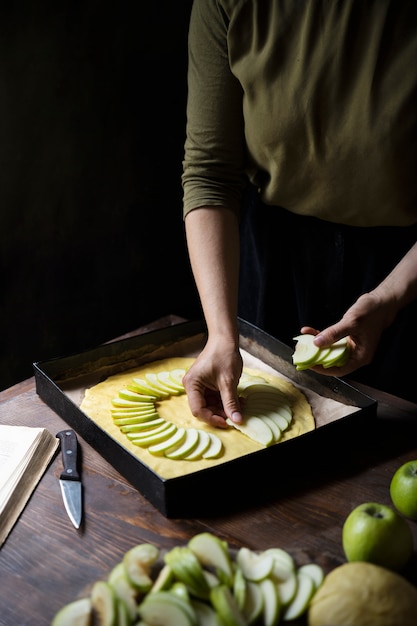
307, 354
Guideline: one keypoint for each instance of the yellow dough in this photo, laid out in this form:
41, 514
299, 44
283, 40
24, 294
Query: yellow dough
97, 404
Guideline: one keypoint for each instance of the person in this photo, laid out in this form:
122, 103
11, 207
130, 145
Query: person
300, 189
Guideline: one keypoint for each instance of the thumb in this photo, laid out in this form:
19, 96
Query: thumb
231, 407
329, 335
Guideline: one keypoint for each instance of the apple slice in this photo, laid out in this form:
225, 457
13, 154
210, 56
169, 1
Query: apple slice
271, 602
144, 425
247, 380
142, 386
123, 403
205, 614
280, 420
137, 409
254, 602
176, 376
215, 448
175, 440
305, 351
153, 437
187, 569
276, 430
255, 428
165, 379
283, 563
136, 419
155, 383
339, 353
104, 603
314, 571
201, 447
185, 447
264, 391
76, 613
224, 603
134, 396
138, 562
239, 587
124, 590
163, 607
255, 566
301, 601
164, 579
212, 552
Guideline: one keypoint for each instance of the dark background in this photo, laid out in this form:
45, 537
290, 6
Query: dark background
92, 123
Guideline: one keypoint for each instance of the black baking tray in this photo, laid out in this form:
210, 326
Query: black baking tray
245, 481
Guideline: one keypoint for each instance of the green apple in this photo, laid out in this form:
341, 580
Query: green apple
76, 613
377, 534
403, 489
212, 552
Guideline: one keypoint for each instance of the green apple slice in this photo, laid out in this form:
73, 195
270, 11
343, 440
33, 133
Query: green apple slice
155, 383
301, 601
224, 603
263, 390
215, 448
164, 579
338, 354
124, 590
240, 586
153, 437
305, 351
205, 614
76, 613
212, 552
278, 419
271, 602
144, 425
123, 617
255, 428
137, 409
175, 440
187, 568
176, 376
167, 609
142, 386
186, 447
202, 445
104, 603
136, 419
255, 566
284, 564
122, 403
165, 379
247, 380
287, 588
276, 430
138, 562
254, 602
314, 571
134, 396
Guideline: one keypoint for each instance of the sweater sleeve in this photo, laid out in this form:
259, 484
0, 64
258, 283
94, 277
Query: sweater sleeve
214, 159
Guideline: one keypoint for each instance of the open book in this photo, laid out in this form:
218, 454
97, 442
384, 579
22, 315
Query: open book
25, 453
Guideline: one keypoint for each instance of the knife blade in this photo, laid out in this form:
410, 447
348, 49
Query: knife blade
69, 480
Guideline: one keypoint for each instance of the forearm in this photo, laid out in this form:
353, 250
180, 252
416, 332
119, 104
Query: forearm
213, 246
400, 287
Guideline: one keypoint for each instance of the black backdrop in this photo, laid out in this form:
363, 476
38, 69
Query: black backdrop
92, 122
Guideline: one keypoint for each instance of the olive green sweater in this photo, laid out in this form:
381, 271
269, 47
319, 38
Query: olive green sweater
314, 100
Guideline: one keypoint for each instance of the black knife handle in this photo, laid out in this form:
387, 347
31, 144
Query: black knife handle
69, 447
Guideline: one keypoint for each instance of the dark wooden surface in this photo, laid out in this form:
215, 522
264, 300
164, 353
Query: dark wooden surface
46, 563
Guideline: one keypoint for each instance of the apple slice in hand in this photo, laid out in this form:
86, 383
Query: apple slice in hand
306, 354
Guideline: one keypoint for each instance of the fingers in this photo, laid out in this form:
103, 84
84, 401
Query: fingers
213, 407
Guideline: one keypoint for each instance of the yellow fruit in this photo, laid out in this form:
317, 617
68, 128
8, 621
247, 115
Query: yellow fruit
364, 594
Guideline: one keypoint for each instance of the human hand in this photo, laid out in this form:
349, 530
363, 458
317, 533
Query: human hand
211, 384
363, 324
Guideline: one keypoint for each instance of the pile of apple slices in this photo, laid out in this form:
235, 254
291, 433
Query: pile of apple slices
134, 412
306, 354
203, 583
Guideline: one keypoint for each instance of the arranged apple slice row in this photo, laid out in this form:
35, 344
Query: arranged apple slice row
306, 354
202, 583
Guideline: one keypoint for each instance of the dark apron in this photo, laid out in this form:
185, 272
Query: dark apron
301, 271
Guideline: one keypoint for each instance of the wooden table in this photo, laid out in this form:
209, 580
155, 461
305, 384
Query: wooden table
46, 562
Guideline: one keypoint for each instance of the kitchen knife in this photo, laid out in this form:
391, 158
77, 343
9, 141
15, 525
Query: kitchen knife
69, 479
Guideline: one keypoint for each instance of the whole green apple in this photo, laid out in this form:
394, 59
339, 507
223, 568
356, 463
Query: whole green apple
377, 534
403, 489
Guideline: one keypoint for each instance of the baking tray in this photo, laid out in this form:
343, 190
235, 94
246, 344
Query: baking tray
245, 481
